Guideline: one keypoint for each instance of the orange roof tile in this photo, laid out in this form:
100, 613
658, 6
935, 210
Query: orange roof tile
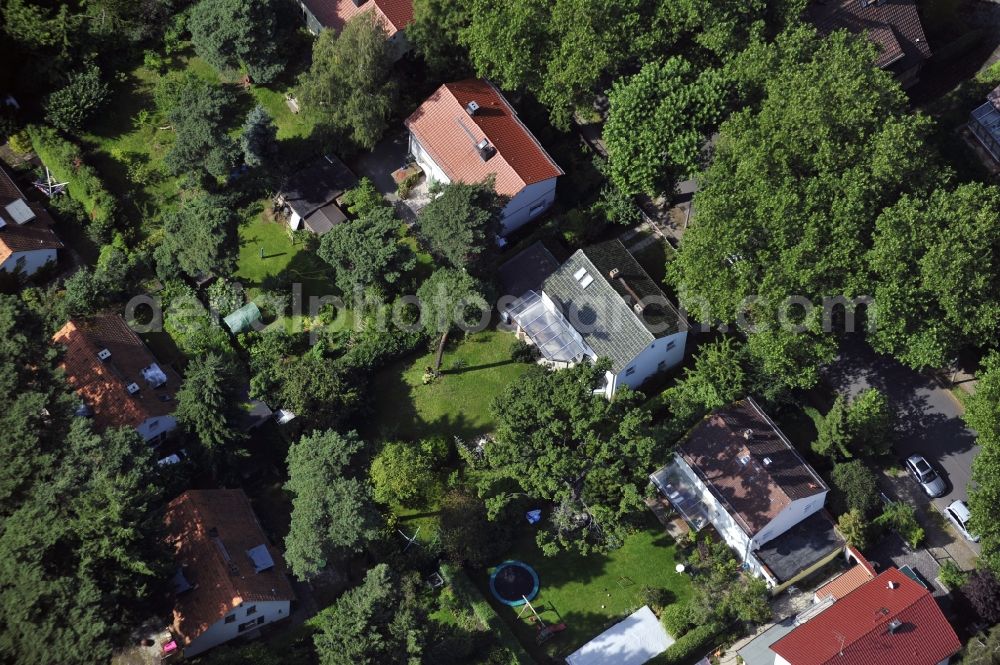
211, 532
449, 134
333, 14
843, 584
102, 384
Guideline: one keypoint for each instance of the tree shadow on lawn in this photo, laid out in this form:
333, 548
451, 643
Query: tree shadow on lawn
475, 368
128, 98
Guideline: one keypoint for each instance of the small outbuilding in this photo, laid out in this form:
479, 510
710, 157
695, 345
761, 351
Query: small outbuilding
244, 318
311, 197
634, 640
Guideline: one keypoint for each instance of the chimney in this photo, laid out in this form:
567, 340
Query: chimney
892, 584
486, 151
472, 107
613, 273
358, 3
894, 625
748, 434
103, 354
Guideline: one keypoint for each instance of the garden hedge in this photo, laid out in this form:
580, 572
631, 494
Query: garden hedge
466, 591
691, 647
65, 160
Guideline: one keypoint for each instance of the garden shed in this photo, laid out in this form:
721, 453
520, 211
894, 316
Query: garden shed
243, 319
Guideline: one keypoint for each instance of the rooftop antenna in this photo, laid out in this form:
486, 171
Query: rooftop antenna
410, 540
50, 187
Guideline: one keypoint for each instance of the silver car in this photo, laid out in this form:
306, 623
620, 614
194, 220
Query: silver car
959, 515
924, 474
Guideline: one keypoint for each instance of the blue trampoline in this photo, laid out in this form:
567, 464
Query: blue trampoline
514, 581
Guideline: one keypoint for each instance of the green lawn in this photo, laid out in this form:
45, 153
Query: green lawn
474, 370
590, 593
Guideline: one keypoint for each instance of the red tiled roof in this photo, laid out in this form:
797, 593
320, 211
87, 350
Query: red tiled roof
333, 14
857, 629
102, 384
35, 234
893, 25
449, 134
210, 532
756, 477
843, 584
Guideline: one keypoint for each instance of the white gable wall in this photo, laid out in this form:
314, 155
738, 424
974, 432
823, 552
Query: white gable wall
29, 262
433, 172
527, 205
661, 355
221, 632
154, 427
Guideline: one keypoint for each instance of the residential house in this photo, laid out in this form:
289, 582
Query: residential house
27, 241
394, 15
737, 471
889, 620
600, 303
119, 381
985, 124
467, 131
311, 197
230, 580
892, 25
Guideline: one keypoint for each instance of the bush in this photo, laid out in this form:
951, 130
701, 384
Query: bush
465, 590
522, 352
65, 160
902, 518
677, 619
952, 576
656, 598
405, 473
69, 107
20, 143
855, 529
856, 488
691, 646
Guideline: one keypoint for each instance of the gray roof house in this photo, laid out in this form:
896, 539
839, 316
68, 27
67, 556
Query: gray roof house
600, 303
311, 196
985, 123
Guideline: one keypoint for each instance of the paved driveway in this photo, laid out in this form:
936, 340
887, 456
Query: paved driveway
929, 417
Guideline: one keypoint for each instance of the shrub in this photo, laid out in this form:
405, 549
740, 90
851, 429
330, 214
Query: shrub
65, 160
691, 646
405, 472
522, 352
902, 518
69, 107
983, 591
20, 142
856, 488
952, 576
656, 598
855, 529
677, 619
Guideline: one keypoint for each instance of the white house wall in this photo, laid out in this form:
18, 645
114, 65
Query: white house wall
29, 262
430, 167
723, 522
294, 221
154, 427
793, 513
528, 204
221, 632
661, 355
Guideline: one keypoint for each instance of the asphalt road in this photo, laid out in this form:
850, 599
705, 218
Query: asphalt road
929, 416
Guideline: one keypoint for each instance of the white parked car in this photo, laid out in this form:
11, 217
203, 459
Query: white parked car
959, 515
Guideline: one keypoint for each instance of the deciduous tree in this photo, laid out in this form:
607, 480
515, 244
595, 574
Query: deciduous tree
589, 456
348, 86
461, 222
982, 414
450, 299
368, 252
239, 34
332, 511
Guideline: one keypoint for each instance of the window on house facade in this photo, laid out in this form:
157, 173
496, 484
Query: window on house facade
535, 209
662, 365
251, 610
671, 344
230, 618
630, 371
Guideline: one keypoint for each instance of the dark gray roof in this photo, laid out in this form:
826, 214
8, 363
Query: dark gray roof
602, 308
801, 547
325, 219
317, 184
527, 270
